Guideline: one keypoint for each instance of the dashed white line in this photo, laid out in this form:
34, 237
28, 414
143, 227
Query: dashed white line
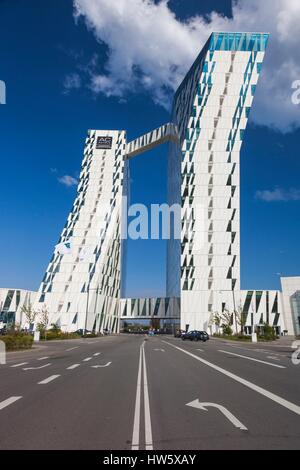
200, 350
97, 354
71, 349
281, 401
273, 357
49, 379
99, 365
73, 366
87, 359
36, 368
19, 365
8, 401
43, 358
252, 359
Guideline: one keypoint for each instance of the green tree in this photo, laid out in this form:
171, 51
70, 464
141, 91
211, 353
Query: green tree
30, 314
217, 320
43, 321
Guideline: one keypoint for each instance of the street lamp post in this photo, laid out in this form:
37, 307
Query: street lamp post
87, 304
86, 309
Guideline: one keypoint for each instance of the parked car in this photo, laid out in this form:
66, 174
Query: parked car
194, 335
205, 334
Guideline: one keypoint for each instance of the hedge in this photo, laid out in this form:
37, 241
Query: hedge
18, 341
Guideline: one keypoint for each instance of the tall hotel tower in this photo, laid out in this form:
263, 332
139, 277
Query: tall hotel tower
211, 109
81, 287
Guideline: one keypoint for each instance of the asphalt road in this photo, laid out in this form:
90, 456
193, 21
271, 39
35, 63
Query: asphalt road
161, 393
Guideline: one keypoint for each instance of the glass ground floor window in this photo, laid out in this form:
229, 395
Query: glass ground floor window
8, 318
143, 325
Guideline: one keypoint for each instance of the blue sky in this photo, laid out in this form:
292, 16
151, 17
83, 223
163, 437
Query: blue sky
46, 60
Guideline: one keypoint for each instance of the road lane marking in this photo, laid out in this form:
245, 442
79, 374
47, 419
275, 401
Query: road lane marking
135, 443
71, 349
200, 350
8, 401
87, 359
42, 358
148, 427
49, 379
97, 354
281, 401
252, 359
36, 368
203, 406
274, 358
99, 365
73, 366
157, 349
21, 364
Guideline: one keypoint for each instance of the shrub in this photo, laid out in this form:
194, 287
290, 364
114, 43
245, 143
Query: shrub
227, 330
267, 333
17, 341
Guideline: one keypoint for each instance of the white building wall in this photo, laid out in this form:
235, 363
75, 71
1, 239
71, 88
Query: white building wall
81, 287
211, 108
291, 303
11, 303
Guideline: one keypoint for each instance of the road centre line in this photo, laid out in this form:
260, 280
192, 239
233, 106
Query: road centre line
148, 428
142, 376
252, 359
42, 358
71, 349
87, 359
277, 399
136, 422
73, 366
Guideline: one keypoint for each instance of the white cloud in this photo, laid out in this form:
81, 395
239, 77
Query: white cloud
150, 48
68, 180
278, 194
71, 81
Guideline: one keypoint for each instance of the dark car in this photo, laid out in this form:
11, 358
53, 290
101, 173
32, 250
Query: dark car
195, 335
205, 334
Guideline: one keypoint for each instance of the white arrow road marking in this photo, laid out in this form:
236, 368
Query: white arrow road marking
281, 401
8, 401
162, 350
229, 416
35, 368
98, 365
71, 349
87, 359
42, 358
49, 379
252, 359
97, 354
73, 366
21, 364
